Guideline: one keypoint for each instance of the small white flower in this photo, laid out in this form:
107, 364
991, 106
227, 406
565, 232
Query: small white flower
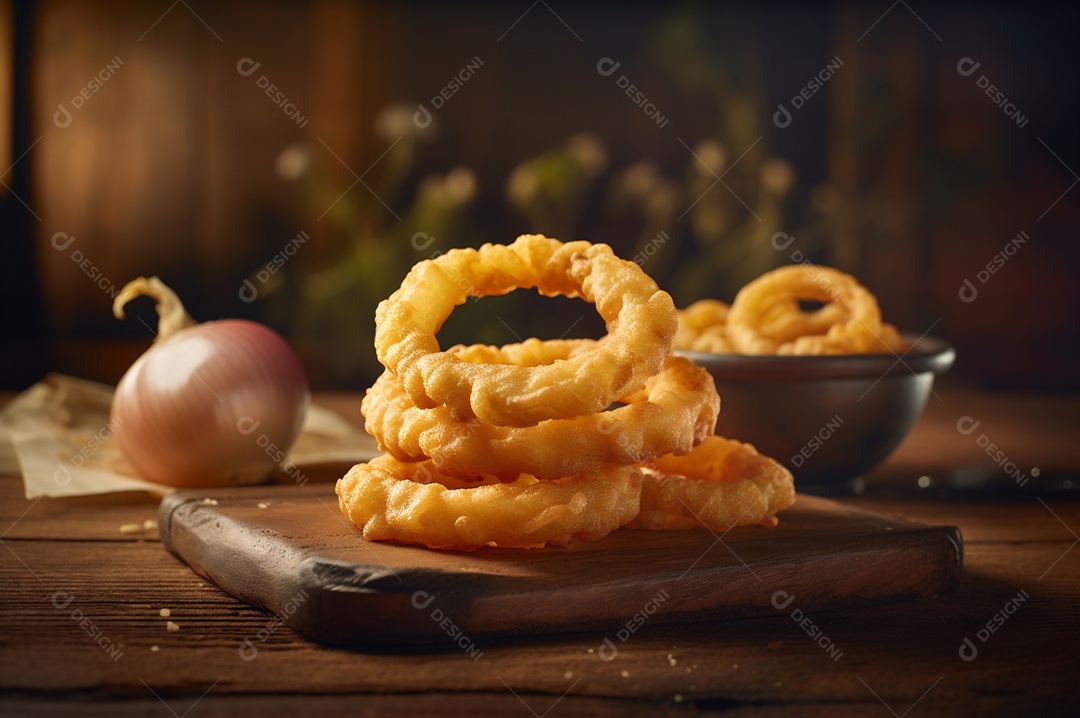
712, 155
293, 162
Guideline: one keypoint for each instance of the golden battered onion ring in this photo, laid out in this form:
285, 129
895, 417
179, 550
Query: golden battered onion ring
703, 328
765, 317
719, 485
699, 317
531, 352
389, 500
640, 318
787, 321
675, 411
883, 340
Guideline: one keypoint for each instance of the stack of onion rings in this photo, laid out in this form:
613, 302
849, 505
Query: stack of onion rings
766, 317
515, 446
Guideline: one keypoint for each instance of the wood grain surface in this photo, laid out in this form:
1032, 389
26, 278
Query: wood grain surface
896, 659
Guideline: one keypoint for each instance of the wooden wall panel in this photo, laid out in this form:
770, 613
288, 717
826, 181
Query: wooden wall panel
169, 167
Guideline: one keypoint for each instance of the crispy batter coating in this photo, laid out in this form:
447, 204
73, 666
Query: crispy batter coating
640, 319
855, 328
698, 317
721, 484
415, 503
675, 411
703, 328
531, 352
766, 317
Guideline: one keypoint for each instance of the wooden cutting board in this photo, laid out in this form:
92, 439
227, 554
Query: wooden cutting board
290, 550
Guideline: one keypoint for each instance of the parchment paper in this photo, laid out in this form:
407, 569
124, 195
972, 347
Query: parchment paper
57, 435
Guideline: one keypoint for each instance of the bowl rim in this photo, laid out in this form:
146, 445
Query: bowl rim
925, 354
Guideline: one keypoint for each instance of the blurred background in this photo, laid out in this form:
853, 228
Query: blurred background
288, 162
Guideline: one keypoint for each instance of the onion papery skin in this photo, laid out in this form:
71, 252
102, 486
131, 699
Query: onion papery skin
215, 404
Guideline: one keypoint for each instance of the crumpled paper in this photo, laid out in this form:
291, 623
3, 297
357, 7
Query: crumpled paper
57, 435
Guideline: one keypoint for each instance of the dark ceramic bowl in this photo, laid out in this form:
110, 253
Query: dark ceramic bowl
829, 419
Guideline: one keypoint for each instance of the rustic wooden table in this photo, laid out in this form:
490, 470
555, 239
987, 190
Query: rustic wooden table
82, 630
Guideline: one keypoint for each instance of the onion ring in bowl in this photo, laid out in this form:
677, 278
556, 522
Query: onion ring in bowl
697, 318
675, 412
640, 319
415, 503
882, 340
703, 328
761, 319
787, 321
721, 484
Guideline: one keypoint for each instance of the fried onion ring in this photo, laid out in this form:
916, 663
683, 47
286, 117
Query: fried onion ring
640, 319
531, 352
765, 317
675, 411
698, 318
389, 500
714, 340
703, 328
721, 484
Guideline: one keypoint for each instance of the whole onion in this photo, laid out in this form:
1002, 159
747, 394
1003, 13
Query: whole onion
212, 404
